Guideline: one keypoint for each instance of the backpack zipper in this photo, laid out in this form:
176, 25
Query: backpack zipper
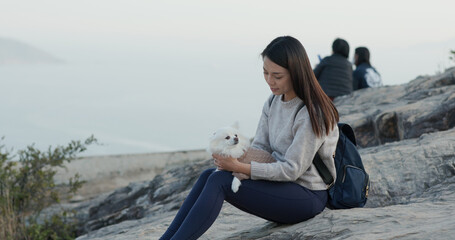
367, 187
344, 171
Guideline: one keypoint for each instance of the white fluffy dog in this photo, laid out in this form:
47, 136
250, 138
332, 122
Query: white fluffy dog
228, 141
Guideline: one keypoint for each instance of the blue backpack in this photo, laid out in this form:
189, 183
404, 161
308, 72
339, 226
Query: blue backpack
352, 184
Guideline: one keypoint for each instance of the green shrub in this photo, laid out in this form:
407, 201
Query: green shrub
59, 226
27, 186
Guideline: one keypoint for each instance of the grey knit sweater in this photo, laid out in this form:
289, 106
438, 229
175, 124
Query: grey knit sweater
293, 144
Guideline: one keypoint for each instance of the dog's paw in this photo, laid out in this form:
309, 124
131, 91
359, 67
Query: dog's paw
235, 184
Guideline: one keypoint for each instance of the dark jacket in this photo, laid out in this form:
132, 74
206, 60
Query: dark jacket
334, 74
366, 76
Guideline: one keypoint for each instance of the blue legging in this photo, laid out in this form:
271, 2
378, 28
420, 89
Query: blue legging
282, 202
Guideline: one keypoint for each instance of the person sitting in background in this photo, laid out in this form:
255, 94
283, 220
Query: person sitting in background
334, 72
365, 75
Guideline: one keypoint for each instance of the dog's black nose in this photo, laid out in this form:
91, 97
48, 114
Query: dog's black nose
236, 140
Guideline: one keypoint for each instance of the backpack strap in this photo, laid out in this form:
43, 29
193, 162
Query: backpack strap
348, 132
271, 100
323, 170
317, 161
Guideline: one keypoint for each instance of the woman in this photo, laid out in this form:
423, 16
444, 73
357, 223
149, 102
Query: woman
289, 190
365, 75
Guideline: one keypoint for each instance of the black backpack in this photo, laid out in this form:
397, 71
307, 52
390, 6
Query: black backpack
352, 183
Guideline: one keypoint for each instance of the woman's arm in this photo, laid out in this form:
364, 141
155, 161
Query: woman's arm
261, 138
231, 164
298, 157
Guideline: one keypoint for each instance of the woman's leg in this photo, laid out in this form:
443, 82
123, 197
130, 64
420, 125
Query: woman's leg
282, 202
187, 204
207, 207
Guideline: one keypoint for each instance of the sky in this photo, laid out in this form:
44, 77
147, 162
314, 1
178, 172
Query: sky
140, 68
406, 38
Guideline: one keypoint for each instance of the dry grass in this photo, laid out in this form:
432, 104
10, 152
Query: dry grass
11, 226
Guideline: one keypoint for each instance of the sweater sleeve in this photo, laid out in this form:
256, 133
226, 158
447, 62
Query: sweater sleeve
298, 157
261, 139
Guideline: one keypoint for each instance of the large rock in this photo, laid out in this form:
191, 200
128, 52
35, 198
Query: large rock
408, 144
107, 173
394, 113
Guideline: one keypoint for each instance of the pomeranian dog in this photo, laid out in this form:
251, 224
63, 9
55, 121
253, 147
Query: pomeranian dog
228, 141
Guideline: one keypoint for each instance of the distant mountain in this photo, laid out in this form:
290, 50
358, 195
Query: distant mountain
16, 52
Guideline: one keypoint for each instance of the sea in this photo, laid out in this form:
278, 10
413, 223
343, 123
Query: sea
129, 108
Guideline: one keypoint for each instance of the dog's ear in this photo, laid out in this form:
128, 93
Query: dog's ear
212, 136
235, 125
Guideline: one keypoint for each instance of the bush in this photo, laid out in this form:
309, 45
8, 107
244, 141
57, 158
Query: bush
58, 226
27, 187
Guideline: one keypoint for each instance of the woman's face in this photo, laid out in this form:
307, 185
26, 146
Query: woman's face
356, 58
278, 79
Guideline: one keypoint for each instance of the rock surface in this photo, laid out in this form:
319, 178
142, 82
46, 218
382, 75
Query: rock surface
394, 113
407, 137
107, 173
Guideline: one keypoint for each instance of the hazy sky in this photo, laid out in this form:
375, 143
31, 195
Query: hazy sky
406, 38
145, 75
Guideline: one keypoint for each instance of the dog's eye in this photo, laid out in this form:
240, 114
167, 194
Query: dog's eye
227, 138
235, 135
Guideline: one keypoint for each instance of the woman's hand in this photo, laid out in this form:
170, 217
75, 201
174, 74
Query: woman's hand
225, 162
231, 164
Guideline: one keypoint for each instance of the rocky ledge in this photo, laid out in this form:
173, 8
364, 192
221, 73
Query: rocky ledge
407, 140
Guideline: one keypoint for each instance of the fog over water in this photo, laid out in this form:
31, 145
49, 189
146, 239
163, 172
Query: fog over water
130, 109
151, 76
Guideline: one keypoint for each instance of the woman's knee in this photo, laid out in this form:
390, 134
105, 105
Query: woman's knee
220, 177
207, 172
205, 175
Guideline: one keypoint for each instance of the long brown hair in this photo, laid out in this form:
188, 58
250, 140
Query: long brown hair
289, 53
